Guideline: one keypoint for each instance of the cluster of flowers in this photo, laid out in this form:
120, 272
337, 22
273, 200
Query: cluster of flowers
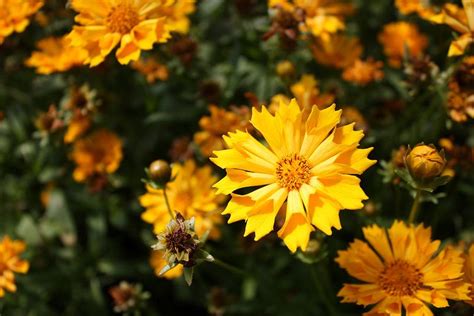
292, 164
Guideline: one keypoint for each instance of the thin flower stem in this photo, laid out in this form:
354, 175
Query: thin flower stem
168, 202
415, 207
322, 289
229, 267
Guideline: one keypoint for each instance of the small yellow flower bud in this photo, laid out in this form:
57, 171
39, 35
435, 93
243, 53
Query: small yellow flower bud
424, 162
285, 69
160, 171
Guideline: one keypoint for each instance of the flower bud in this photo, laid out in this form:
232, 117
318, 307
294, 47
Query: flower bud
425, 162
160, 171
285, 69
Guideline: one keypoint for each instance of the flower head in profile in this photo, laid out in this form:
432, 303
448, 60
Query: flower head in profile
97, 154
15, 14
10, 263
401, 269
55, 54
363, 72
133, 25
399, 38
309, 163
462, 21
220, 122
339, 51
190, 193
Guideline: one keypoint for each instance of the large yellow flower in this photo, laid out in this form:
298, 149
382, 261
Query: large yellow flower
191, 194
136, 24
10, 263
462, 21
14, 15
400, 268
97, 154
55, 55
309, 163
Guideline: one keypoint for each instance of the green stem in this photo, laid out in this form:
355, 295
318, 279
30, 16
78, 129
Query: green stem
167, 202
415, 207
229, 267
322, 289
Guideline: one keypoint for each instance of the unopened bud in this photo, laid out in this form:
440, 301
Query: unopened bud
160, 171
425, 162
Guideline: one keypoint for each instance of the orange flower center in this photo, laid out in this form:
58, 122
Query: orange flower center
122, 18
292, 172
400, 278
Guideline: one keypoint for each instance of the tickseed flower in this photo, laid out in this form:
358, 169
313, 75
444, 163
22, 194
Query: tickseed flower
469, 272
128, 297
320, 18
399, 38
77, 126
10, 263
462, 21
364, 72
425, 162
177, 12
15, 14
220, 122
309, 163
158, 262
55, 55
178, 241
97, 154
191, 194
460, 100
339, 51
151, 69
135, 25
420, 7
400, 269
307, 93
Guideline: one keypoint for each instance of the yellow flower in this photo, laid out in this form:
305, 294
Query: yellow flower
309, 163
364, 72
55, 55
460, 101
399, 269
321, 17
78, 125
10, 250
151, 69
285, 69
177, 14
307, 93
414, 6
220, 122
158, 262
97, 154
191, 194
135, 25
469, 272
339, 51
462, 21
397, 37
14, 15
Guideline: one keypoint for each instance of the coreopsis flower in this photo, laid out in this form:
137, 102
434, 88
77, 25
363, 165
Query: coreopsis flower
177, 14
55, 54
10, 263
421, 7
135, 25
339, 51
179, 242
364, 72
128, 297
191, 194
80, 103
308, 163
307, 93
97, 154
219, 123
15, 14
49, 121
469, 272
399, 38
320, 18
151, 69
401, 270
460, 100
77, 126
158, 262
462, 21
